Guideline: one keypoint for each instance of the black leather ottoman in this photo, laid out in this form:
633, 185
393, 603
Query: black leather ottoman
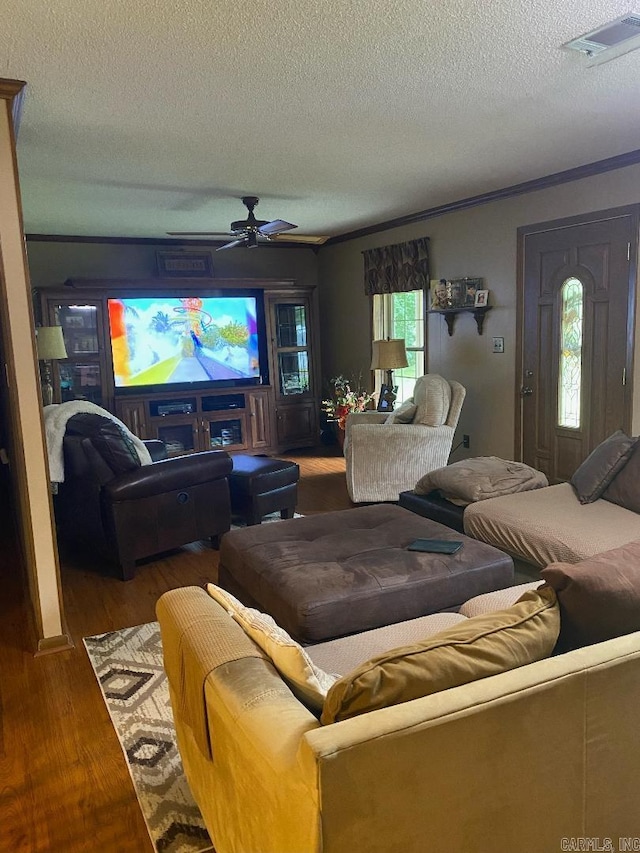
336, 573
435, 507
259, 485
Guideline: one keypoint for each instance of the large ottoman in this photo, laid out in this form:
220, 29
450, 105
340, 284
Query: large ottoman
333, 574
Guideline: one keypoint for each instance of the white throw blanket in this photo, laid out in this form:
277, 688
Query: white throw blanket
55, 424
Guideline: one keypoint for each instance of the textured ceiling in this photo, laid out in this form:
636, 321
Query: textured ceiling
147, 117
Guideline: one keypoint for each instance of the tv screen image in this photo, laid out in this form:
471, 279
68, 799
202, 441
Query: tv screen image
176, 340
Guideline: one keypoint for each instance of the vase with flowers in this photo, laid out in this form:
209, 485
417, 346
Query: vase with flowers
345, 400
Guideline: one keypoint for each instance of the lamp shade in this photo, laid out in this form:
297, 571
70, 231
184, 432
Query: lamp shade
50, 343
388, 354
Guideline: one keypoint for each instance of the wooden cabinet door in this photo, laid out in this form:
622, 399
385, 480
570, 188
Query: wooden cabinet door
292, 334
297, 425
259, 420
133, 414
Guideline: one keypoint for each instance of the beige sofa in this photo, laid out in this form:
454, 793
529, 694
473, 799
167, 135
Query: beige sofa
513, 763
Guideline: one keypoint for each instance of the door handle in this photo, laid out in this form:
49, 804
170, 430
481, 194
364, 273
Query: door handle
526, 391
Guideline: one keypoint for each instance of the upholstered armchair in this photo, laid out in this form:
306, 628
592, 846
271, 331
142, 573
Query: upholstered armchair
387, 454
112, 505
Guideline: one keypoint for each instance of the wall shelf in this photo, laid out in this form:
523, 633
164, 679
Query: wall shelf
450, 315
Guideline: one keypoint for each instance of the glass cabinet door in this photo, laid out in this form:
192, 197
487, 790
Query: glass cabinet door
79, 328
80, 375
80, 381
292, 348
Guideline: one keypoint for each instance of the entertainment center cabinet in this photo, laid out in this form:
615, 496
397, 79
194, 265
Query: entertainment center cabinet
277, 413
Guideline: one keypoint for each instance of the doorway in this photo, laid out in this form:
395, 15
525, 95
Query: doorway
575, 331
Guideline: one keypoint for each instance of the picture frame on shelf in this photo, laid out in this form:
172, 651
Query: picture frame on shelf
185, 264
471, 287
456, 292
383, 401
481, 299
438, 295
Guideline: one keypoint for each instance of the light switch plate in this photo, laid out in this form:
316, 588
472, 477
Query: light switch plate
498, 344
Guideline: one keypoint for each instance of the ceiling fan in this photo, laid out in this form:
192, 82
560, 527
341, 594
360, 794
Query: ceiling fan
250, 232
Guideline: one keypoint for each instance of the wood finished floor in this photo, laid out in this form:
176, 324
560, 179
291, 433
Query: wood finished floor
64, 784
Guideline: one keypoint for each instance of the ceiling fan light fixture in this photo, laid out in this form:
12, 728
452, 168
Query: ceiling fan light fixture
250, 231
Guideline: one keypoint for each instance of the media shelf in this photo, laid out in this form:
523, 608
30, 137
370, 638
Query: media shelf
278, 415
209, 420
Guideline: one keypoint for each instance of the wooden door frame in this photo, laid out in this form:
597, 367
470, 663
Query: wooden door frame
524, 231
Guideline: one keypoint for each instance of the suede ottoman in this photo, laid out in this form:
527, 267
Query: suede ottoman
333, 574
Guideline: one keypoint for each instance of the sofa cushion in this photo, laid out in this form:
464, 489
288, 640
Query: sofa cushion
624, 489
109, 439
480, 647
601, 466
432, 396
599, 597
307, 681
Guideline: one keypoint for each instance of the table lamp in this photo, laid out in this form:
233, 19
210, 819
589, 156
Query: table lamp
387, 355
50, 346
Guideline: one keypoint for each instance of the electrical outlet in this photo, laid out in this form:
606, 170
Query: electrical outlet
466, 441
498, 344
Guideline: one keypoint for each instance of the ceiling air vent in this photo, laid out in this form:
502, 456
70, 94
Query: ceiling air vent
609, 41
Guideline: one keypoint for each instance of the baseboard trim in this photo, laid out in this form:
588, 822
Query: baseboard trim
49, 645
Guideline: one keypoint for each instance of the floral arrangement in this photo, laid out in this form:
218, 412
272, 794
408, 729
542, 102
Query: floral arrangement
345, 400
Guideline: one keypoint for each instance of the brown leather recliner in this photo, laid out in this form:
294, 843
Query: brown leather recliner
109, 501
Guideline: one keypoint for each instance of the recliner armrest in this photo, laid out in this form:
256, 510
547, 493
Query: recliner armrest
168, 475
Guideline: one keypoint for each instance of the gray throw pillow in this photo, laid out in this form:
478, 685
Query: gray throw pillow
601, 466
625, 488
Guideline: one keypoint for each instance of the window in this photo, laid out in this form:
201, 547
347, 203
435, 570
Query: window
570, 368
401, 315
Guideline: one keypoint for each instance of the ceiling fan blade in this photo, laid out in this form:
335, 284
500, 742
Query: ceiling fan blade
198, 233
276, 227
298, 238
232, 244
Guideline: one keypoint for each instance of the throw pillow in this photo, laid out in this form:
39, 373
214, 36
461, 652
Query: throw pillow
624, 490
599, 597
474, 649
108, 438
309, 683
601, 466
432, 396
404, 414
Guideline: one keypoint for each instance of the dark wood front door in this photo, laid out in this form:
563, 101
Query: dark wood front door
577, 298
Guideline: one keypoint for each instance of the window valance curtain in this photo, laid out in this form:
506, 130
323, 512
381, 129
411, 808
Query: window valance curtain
397, 268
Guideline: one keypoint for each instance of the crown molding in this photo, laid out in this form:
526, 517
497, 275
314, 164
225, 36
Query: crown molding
631, 158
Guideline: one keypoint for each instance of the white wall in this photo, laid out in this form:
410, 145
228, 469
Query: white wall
479, 242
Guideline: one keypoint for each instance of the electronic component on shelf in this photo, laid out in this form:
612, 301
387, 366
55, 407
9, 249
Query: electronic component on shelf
165, 409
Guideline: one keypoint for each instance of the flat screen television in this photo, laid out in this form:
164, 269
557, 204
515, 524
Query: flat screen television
178, 342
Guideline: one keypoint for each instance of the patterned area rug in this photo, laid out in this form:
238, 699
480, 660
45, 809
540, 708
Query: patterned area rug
128, 666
